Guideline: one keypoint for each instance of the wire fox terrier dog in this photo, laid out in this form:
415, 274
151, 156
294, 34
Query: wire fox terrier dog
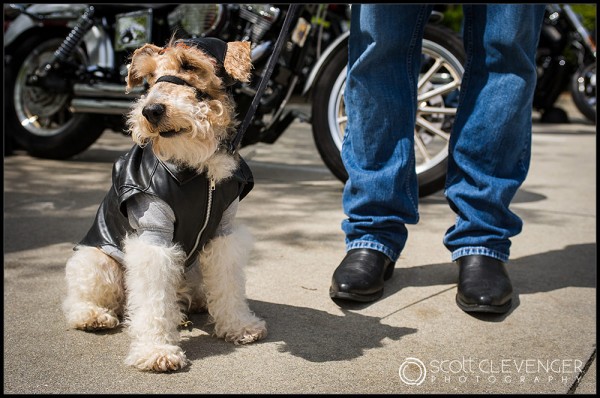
164, 242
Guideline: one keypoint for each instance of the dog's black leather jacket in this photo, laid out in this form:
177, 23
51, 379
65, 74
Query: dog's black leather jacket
188, 193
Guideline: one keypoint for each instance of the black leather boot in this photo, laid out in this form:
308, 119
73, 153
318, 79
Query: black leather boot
483, 285
360, 275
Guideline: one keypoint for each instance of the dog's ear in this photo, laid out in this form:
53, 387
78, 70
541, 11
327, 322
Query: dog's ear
142, 64
238, 62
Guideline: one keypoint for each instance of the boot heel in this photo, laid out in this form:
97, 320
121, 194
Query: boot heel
389, 271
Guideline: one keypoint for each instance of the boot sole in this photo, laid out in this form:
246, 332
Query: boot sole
356, 297
495, 309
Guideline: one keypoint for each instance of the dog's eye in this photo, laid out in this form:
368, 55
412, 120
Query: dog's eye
187, 66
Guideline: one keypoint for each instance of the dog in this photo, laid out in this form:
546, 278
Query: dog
164, 242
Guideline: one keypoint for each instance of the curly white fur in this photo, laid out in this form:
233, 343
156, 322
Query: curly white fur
193, 298
95, 295
152, 278
222, 262
159, 294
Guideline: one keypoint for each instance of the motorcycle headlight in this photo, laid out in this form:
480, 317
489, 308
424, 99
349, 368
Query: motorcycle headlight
197, 20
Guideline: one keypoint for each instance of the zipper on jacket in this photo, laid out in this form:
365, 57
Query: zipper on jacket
211, 189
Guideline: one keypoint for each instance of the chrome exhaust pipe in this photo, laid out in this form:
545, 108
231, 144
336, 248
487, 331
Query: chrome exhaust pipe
104, 98
104, 106
106, 90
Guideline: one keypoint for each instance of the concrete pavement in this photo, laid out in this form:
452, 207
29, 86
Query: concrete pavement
414, 340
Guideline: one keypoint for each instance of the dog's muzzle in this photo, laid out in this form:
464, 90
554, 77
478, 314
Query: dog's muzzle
154, 112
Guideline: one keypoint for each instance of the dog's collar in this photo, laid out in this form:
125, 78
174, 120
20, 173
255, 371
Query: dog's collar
200, 95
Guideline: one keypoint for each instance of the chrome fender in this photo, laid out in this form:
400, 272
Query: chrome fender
315, 72
97, 42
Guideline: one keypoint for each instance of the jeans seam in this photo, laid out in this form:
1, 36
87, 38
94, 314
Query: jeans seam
367, 244
478, 250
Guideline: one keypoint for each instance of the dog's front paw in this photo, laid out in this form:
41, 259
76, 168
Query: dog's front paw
156, 358
255, 331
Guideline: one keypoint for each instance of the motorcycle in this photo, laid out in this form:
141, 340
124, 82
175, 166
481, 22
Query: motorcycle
566, 60
66, 64
566, 54
66, 67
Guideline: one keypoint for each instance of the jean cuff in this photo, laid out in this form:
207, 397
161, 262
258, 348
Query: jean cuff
479, 250
367, 244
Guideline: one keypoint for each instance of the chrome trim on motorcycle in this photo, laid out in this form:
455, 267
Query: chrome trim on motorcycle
103, 98
104, 90
102, 106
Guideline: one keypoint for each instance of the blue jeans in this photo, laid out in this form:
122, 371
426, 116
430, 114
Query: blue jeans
490, 144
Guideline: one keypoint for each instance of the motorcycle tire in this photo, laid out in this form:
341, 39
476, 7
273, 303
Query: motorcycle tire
329, 118
39, 121
583, 91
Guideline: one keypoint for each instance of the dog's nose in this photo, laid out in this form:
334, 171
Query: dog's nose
153, 112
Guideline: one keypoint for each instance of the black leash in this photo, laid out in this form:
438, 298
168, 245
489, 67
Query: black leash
266, 76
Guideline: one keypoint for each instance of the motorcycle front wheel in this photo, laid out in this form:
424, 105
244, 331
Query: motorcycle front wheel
443, 57
583, 91
37, 119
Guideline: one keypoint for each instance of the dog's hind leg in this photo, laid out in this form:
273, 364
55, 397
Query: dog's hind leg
196, 298
95, 295
153, 275
222, 262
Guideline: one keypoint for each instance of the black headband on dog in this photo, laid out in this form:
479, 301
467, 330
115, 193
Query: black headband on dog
215, 48
200, 95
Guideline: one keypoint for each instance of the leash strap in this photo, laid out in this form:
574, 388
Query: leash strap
266, 76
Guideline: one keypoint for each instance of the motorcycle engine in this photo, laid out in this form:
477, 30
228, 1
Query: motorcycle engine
197, 20
260, 17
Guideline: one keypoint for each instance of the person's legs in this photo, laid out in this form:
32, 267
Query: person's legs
490, 145
381, 195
